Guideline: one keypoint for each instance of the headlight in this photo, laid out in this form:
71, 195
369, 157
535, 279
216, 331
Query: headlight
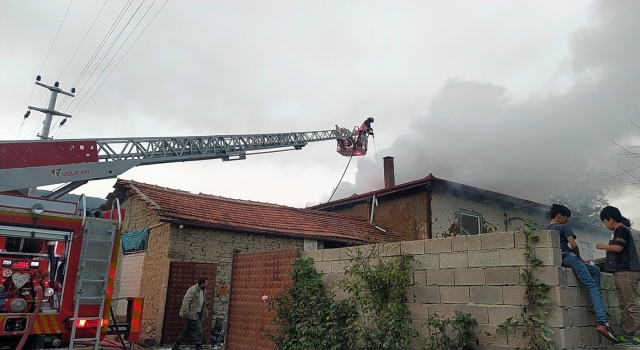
48, 292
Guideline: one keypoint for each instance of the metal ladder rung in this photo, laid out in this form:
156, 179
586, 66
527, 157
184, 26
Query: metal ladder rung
88, 318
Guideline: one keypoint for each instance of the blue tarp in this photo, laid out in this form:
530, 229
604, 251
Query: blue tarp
135, 241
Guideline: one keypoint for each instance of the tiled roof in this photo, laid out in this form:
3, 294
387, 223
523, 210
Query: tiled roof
354, 198
206, 210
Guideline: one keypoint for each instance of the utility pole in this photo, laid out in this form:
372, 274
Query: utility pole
50, 111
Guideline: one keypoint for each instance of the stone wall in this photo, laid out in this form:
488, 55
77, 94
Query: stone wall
480, 275
155, 268
192, 244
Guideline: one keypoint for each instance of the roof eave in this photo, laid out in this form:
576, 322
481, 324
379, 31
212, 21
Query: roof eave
261, 232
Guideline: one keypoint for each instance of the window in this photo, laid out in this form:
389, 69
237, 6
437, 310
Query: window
585, 250
470, 223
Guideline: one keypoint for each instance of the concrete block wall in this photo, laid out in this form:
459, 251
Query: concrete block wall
480, 275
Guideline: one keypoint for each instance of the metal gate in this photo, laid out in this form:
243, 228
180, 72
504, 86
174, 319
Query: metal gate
183, 275
254, 275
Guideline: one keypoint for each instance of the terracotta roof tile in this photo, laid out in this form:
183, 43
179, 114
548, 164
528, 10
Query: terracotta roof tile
225, 213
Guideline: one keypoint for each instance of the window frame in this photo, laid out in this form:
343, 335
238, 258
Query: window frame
584, 248
472, 214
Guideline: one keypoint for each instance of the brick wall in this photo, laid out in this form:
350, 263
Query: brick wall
480, 275
214, 246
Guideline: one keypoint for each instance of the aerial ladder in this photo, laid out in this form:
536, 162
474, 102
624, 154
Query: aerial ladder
74, 162
58, 262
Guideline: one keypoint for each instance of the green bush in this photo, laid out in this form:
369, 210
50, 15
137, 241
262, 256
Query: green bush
306, 317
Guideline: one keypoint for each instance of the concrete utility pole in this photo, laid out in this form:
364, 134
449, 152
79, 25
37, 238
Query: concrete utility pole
50, 110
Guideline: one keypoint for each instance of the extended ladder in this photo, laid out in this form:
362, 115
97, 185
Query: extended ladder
93, 275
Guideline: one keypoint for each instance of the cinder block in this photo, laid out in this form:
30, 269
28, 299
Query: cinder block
520, 239
567, 338
418, 311
484, 258
427, 295
563, 296
443, 310
572, 280
502, 276
474, 242
338, 266
497, 240
389, 249
589, 336
551, 275
459, 244
512, 257
454, 295
479, 313
349, 253
549, 256
453, 260
316, 255
420, 278
443, 277
323, 266
469, 277
332, 281
412, 247
465, 243
500, 313
612, 299
580, 317
496, 337
513, 295
606, 281
486, 295
583, 298
437, 245
557, 317
330, 254
547, 238
426, 262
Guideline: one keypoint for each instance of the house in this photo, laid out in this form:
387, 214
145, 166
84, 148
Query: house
173, 236
432, 207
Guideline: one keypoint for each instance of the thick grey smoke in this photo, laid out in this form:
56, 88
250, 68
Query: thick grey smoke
476, 134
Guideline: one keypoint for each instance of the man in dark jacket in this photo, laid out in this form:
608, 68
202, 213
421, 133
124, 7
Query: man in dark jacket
194, 309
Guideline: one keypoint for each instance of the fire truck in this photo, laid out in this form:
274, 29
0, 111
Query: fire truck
58, 258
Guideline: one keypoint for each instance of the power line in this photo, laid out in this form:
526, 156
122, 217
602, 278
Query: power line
13, 127
54, 39
83, 39
60, 131
95, 53
112, 58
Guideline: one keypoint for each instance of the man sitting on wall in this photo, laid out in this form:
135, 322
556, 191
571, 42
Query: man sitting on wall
586, 273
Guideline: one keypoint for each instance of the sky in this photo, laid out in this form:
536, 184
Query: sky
520, 97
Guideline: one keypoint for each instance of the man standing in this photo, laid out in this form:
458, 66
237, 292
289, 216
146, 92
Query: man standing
365, 129
193, 310
587, 274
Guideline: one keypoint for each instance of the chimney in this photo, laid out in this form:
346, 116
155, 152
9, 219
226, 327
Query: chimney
389, 174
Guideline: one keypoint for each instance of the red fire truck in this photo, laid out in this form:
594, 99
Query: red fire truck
58, 260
